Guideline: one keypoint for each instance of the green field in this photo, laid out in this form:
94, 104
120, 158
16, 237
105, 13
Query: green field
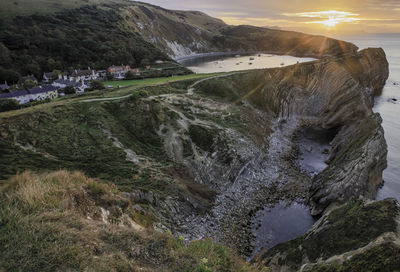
155, 81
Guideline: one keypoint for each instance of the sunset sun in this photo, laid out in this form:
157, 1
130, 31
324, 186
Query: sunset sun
331, 22
328, 18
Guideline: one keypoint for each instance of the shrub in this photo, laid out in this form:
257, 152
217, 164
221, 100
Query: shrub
97, 85
8, 104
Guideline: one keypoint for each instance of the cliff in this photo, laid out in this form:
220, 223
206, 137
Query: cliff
333, 98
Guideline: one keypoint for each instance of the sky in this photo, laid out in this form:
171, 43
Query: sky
314, 16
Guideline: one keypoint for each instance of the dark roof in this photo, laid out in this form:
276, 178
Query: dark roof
13, 94
42, 89
4, 86
81, 73
67, 82
48, 75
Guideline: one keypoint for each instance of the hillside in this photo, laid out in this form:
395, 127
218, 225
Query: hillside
40, 36
64, 221
89, 36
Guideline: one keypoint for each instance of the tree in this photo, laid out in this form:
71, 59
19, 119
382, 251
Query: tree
9, 75
5, 58
8, 104
109, 76
97, 85
69, 90
55, 74
28, 84
130, 75
145, 62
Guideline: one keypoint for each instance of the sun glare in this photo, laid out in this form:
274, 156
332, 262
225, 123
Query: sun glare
328, 18
331, 22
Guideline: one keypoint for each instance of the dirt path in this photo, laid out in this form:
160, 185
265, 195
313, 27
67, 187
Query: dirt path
105, 99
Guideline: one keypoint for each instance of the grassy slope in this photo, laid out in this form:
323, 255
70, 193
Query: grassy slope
383, 258
54, 222
69, 134
153, 81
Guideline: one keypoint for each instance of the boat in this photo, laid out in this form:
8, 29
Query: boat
250, 63
282, 63
237, 56
251, 58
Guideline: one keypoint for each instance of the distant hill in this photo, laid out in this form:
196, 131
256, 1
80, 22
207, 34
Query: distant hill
46, 35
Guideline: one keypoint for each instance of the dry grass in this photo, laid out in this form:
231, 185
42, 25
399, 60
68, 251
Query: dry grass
54, 222
57, 190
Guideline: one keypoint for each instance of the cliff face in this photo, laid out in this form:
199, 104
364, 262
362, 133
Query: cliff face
333, 96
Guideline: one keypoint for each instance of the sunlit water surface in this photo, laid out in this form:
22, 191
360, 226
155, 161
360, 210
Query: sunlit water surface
220, 63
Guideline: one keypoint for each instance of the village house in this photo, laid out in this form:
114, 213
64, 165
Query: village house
136, 71
4, 87
22, 97
48, 77
102, 73
34, 94
119, 71
79, 86
78, 75
43, 92
30, 77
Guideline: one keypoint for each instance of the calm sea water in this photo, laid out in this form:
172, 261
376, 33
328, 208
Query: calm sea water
221, 63
387, 107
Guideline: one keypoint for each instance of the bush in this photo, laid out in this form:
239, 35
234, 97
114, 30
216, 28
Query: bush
97, 85
130, 75
8, 104
69, 90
